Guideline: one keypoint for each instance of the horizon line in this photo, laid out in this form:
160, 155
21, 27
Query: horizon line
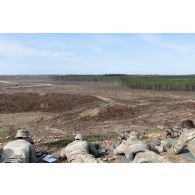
106, 74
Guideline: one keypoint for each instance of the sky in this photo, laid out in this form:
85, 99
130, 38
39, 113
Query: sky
77, 53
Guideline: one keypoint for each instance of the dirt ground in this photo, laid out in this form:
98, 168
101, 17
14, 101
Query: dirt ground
53, 111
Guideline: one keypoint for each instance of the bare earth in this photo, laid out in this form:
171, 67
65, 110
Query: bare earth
52, 111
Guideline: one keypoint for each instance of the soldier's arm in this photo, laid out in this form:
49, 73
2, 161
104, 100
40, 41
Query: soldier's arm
178, 146
32, 156
167, 144
63, 154
155, 146
119, 149
159, 149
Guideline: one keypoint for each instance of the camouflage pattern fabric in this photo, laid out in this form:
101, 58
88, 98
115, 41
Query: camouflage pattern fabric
174, 132
138, 151
86, 158
185, 153
191, 147
78, 152
18, 151
154, 144
164, 146
186, 140
149, 157
130, 147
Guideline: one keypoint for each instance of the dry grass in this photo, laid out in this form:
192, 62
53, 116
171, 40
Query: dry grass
53, 113
28, 102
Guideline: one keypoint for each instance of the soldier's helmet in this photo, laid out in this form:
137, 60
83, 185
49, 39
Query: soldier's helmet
22, 133
187, 124
78, 137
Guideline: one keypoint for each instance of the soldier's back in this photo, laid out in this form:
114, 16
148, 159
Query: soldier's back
185, 140
191, 141
16, 151
189, 135
135, 146
76, 148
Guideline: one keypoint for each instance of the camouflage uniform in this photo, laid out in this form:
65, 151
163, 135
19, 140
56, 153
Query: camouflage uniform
161, 146
18, 151
138, 150
186, 140
78, 152
131, 147
149, 157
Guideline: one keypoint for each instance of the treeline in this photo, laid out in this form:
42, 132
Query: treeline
163, 83
88, 78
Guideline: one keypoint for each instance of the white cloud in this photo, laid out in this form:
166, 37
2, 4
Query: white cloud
157, 40
13, 48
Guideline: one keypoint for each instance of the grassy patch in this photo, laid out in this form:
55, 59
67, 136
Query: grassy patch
96, 138
59, 144
90, 138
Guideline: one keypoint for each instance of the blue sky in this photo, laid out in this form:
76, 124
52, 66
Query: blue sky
97, 53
